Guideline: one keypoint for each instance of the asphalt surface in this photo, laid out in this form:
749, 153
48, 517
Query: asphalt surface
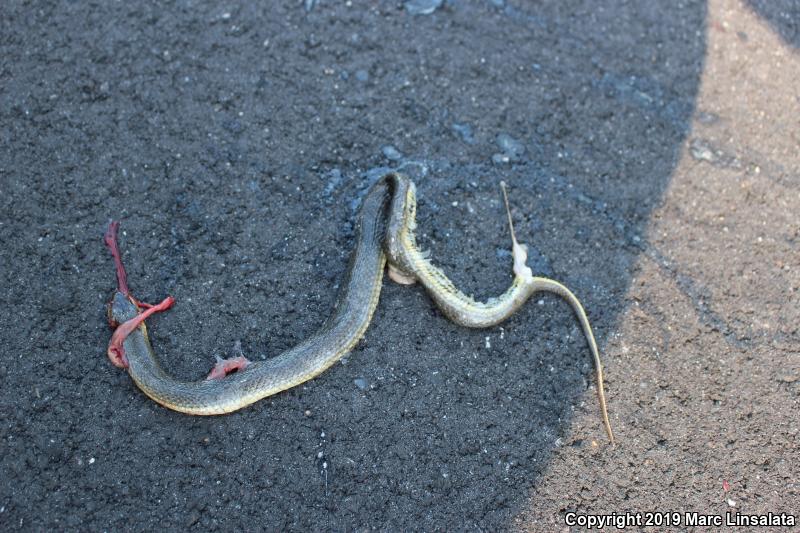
651, 150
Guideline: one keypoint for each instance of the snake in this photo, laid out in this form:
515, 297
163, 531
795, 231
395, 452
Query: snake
384, 235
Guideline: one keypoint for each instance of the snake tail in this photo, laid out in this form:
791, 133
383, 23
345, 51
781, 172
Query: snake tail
549, 285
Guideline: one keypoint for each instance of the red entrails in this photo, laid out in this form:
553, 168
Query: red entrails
111, 241
227, 366
116, 352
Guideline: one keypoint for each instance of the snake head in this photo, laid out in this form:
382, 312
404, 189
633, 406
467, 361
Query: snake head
124, 312
120, 309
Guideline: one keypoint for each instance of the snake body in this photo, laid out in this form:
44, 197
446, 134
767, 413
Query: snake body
353, 311
385, 227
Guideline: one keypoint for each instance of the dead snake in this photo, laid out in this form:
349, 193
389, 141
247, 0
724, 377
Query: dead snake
384, 229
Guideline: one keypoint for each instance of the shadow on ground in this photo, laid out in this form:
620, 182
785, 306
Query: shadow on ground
782, 15
232, 142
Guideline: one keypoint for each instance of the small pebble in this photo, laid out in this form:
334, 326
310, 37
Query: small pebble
392, 153
703, 151
334, 180
362, 76
464, 131
423, 7
501, 159
704, 117
361, 383
510, 145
